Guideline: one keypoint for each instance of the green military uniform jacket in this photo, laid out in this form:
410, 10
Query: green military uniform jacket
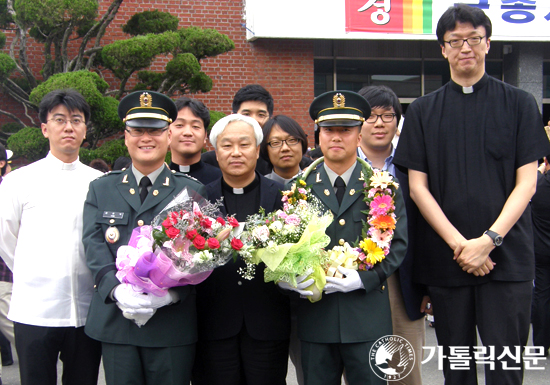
113, 201
364, 314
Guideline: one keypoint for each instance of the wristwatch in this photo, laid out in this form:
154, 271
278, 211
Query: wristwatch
497, 238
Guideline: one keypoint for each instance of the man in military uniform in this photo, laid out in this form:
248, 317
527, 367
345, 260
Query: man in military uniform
162, 351
338, 331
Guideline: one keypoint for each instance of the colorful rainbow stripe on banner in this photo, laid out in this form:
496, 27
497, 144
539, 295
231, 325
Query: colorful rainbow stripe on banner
389, 16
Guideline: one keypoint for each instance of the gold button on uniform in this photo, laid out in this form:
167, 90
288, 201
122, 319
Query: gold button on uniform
341, 242
327, 193
352, 191
156, 192
140, 223
342, 222
132, 191
111, 221
383, 287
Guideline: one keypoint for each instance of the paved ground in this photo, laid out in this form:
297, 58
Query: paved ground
431, 374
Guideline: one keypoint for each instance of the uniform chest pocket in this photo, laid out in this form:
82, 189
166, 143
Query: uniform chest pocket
499, 140
113, 224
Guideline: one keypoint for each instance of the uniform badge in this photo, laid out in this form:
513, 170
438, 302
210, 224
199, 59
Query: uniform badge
112, 235
327, 193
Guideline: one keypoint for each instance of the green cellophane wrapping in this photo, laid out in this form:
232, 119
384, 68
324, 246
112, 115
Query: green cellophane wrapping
285, 262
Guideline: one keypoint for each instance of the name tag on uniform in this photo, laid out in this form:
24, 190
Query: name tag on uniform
113, 215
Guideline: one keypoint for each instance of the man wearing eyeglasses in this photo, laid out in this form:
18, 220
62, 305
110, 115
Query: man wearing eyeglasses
407, 301
471, 150
161, 351
41, 233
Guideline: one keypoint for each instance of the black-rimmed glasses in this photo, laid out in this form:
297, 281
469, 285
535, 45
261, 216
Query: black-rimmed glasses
276, 143
458, 43
386, 118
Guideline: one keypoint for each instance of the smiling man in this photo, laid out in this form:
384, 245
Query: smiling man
41, 233
471, 150
188, 140
161, 351
338, 332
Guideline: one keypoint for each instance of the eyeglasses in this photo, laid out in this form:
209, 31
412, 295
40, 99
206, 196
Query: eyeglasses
279, 143
458, 43
62, 122
386, 118
135, 132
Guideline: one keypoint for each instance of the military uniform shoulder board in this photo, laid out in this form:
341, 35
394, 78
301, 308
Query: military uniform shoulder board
177, 173
114, 172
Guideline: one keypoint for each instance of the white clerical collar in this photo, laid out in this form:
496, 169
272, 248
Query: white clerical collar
468, 90
238, 191
185, 168
60, 164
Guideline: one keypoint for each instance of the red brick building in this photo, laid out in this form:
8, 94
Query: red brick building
284, 67
301, 49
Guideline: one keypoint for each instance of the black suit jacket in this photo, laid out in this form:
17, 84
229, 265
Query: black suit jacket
226, 300
412, 292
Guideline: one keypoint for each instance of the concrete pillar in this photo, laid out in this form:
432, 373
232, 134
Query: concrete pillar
522, 67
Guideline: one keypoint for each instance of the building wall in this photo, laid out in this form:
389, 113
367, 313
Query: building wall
283, 67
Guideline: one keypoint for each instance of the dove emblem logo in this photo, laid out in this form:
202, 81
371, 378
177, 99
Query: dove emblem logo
391, 358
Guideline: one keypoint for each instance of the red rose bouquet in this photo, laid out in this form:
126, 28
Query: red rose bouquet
182, 246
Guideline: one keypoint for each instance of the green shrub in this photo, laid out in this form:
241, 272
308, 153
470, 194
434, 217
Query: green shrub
109, 152
30, 143
11, 127
150, 22
214, 117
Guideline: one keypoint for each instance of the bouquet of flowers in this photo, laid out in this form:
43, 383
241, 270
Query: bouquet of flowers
182, 246
378, 230
289, 241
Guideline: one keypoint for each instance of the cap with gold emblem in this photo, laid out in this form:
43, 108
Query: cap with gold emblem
147, 109
339, 108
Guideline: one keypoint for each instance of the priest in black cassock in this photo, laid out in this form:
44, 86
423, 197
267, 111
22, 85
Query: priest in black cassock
244, 325
189, 133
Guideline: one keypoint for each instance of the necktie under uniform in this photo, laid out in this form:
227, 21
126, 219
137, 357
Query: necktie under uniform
143, 184
340, 189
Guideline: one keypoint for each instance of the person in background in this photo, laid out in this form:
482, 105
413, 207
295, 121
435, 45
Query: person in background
283, 146
100, 165
540, 207
41, 233
244, 324
188, 140
406, 297
122, 163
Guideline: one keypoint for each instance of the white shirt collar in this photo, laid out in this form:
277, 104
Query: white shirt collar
58, 164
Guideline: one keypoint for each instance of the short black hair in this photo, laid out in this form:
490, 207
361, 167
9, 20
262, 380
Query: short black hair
382, 96
288, 125
254, 92
462, 13
70, 98
198, 108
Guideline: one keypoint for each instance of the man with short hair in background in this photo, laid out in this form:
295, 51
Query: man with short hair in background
406, 297
189, 133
